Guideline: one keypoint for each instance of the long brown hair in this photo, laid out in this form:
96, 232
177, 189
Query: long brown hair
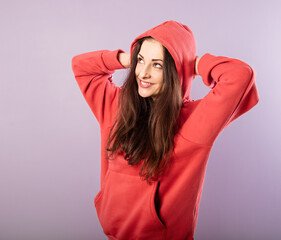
144, 129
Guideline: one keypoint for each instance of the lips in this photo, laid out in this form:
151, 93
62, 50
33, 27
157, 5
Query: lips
145, 84
145, 81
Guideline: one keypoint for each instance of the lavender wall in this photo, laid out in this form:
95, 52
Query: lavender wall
50, 140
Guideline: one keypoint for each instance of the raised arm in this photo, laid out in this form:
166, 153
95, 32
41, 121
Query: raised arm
124, 59
92, 72
233, 93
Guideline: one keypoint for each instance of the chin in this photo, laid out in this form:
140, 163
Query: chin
144, 95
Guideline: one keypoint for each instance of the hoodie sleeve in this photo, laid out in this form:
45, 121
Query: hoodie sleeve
233, 92
92, 72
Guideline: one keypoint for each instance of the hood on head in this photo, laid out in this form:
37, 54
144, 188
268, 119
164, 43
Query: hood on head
180, 42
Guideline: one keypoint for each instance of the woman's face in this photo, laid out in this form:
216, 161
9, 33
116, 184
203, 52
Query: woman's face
149, 69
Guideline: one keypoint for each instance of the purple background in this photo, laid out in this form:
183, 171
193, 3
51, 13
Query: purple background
50, 140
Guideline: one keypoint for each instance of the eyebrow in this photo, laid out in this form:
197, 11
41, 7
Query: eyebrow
152, 59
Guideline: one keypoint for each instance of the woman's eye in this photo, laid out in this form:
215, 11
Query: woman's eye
158, 65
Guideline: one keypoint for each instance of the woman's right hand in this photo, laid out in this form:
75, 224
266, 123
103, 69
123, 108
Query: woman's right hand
124, 59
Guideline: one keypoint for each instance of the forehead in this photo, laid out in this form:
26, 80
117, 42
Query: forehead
152, 49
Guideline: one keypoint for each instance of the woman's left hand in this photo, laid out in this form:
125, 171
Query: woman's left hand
196, 65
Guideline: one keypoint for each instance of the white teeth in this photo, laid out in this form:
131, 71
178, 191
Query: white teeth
144, 83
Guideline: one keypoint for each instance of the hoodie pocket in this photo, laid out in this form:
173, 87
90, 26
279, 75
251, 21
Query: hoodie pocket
155, 204
126, 208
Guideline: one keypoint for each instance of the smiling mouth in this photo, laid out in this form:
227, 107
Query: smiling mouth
145, 83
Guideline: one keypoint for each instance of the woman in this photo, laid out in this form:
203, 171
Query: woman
155, 139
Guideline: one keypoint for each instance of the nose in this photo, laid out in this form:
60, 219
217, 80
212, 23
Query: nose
145, 72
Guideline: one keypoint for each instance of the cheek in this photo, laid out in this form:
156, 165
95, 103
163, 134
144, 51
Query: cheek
137, 70
160, 79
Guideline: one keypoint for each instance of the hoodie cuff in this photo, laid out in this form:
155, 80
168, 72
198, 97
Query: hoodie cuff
205, 66
110, 59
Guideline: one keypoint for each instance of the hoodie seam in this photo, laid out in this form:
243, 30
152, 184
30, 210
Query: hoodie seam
201, 144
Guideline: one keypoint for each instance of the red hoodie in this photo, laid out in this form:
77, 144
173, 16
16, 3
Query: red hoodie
125, 204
